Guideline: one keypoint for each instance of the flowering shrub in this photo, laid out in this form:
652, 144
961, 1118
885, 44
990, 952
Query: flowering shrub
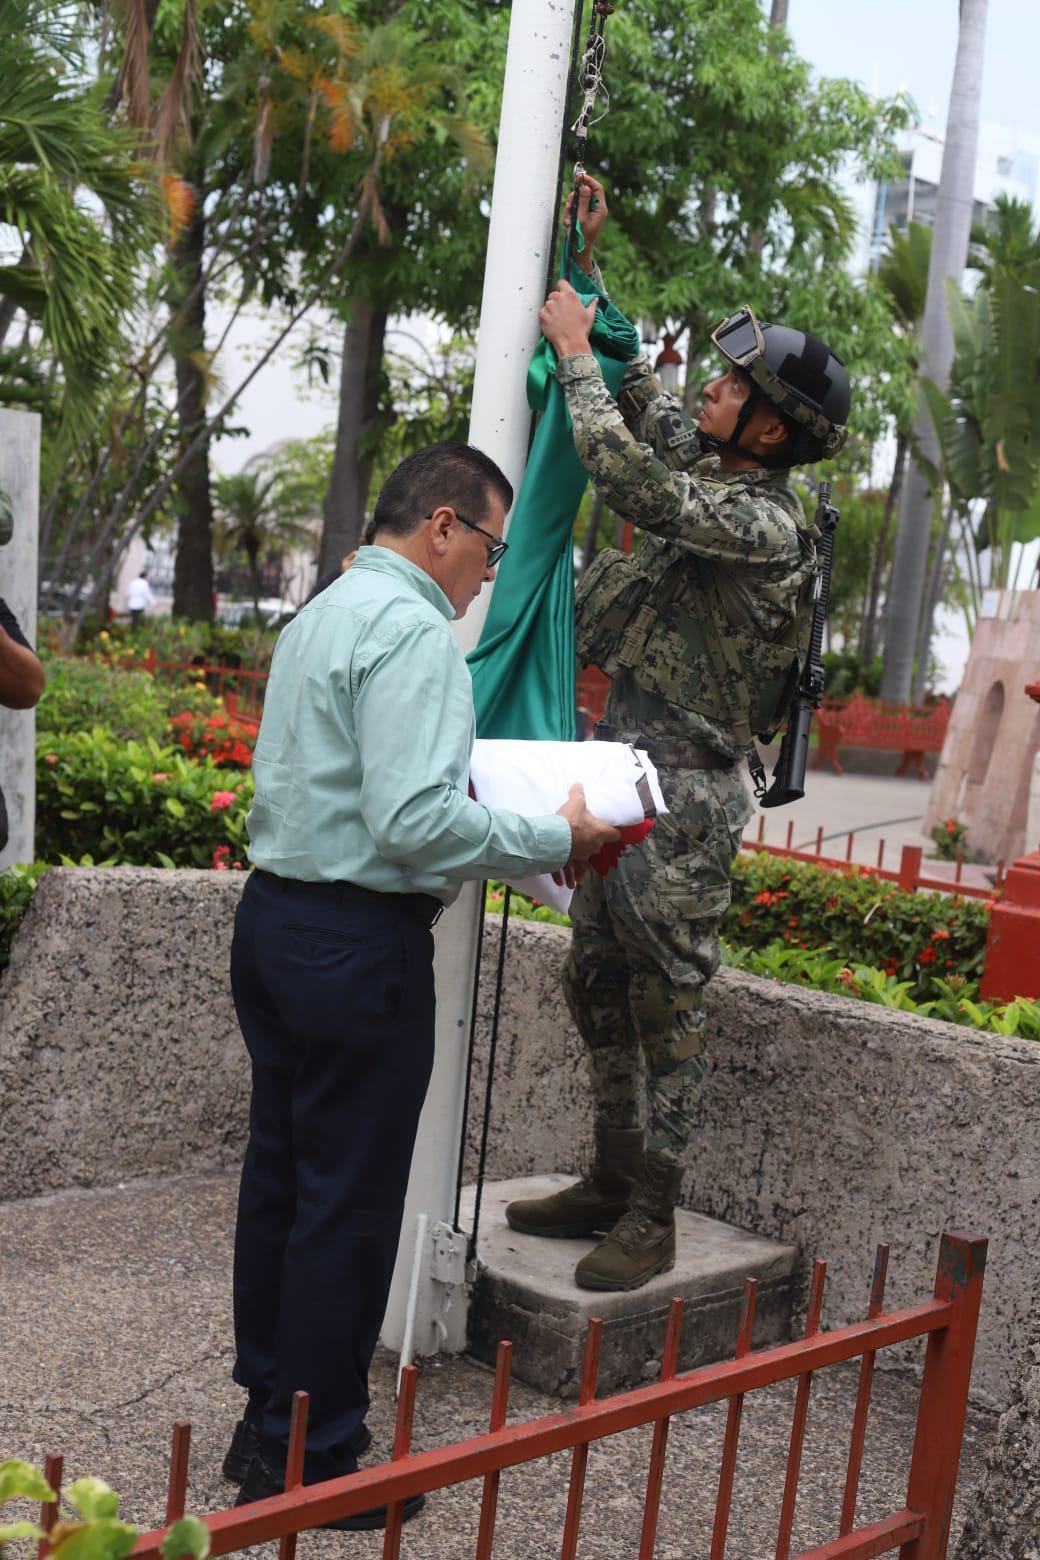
954, 1000
950, 840
228, 742
863, 918
134, 803
82, 693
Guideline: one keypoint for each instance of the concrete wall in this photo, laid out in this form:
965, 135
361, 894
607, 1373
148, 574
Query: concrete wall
20, 475
824, 1121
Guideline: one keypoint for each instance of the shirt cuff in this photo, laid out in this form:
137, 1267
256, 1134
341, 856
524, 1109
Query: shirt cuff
581, 366
553, 836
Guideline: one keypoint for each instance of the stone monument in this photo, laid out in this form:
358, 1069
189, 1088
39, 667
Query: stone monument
985, 776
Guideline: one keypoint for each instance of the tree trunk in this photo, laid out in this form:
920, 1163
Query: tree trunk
868, 635
351, 477
253, 555
589, 550
193, 565
949, 252
932, 596
778, 14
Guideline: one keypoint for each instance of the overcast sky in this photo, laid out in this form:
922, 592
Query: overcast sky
888, 44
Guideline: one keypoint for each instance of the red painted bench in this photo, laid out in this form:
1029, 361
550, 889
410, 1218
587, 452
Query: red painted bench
863, 722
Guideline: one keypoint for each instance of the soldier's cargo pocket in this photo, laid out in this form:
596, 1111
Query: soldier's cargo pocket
612, 619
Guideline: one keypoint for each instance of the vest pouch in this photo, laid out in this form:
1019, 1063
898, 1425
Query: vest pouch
775, 670
612, 618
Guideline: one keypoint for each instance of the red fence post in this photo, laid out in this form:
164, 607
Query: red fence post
944, 1395
1011, 968
910, 867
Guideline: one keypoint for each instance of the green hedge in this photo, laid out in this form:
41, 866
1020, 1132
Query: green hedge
81, 693
861, 917
136, 804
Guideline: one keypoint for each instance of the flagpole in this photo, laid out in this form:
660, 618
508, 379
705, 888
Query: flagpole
427, 1296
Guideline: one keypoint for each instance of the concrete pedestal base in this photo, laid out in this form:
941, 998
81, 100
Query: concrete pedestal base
525, 1291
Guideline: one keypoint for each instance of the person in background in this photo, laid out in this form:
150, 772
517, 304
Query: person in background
139, 598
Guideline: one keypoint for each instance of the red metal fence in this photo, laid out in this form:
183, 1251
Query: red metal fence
919, 1530
908, 875
241, 688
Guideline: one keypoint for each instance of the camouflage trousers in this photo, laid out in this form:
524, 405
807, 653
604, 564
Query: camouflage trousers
646, 943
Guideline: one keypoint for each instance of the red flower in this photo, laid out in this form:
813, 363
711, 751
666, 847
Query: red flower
942, 935
222, 800
159, 776
927, 955
220, 858
51, 758
793, 921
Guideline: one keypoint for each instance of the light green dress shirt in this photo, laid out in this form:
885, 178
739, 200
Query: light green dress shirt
362, 763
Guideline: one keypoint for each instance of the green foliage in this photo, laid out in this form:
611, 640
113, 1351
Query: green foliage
846, 674
17, 886
71, 195
100, 1535
85, 693
952, 1000
21, 1481
180, 642
863, 918
136, 804
988, 425
187, 1539
522, 908
951, 840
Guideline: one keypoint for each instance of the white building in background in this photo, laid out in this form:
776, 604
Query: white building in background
1008, 164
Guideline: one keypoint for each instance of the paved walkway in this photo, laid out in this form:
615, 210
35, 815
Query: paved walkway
875, 807
116, 1322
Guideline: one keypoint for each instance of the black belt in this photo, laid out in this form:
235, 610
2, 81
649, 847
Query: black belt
669, 755
426, 906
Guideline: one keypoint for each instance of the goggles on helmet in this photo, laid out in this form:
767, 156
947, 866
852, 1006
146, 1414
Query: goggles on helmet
740, 340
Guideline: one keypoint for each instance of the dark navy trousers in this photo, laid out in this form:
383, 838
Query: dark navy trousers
334, 992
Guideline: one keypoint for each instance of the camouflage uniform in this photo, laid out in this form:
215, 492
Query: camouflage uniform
646, 938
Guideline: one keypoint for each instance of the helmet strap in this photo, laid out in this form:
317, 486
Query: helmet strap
711, 444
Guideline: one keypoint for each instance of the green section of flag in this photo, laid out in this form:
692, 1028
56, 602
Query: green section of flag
523, 666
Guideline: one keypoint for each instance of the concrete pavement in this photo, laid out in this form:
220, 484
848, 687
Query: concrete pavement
116, 1322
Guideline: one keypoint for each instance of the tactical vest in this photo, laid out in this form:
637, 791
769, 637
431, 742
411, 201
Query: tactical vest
683, 627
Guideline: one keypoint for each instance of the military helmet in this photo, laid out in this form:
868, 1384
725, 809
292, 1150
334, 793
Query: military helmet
795, 371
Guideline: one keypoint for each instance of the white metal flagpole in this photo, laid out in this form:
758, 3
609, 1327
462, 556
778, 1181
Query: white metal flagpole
522, 211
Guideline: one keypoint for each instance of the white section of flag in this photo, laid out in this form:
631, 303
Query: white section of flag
534, 778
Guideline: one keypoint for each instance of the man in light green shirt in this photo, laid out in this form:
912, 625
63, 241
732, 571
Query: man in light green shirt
361, 830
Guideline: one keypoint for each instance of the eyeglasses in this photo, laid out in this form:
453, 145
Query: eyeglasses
498, 546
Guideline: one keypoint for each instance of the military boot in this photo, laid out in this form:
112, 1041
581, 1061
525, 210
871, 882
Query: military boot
597, 1201
642, 1242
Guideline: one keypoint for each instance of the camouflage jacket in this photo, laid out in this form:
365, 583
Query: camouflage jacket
740, 535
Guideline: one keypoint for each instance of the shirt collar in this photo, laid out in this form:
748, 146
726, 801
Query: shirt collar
757, 476
383, 560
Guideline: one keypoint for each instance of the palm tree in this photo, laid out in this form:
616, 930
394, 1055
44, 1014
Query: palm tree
261, 512
949, 253
70, 188
903, 273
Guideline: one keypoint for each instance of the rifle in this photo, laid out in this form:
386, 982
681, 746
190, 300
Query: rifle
789, 775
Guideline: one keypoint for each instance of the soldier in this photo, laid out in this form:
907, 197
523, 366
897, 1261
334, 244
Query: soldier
702, 632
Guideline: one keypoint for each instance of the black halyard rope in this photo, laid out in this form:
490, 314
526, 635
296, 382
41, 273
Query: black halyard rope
586, 68
492, 1054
